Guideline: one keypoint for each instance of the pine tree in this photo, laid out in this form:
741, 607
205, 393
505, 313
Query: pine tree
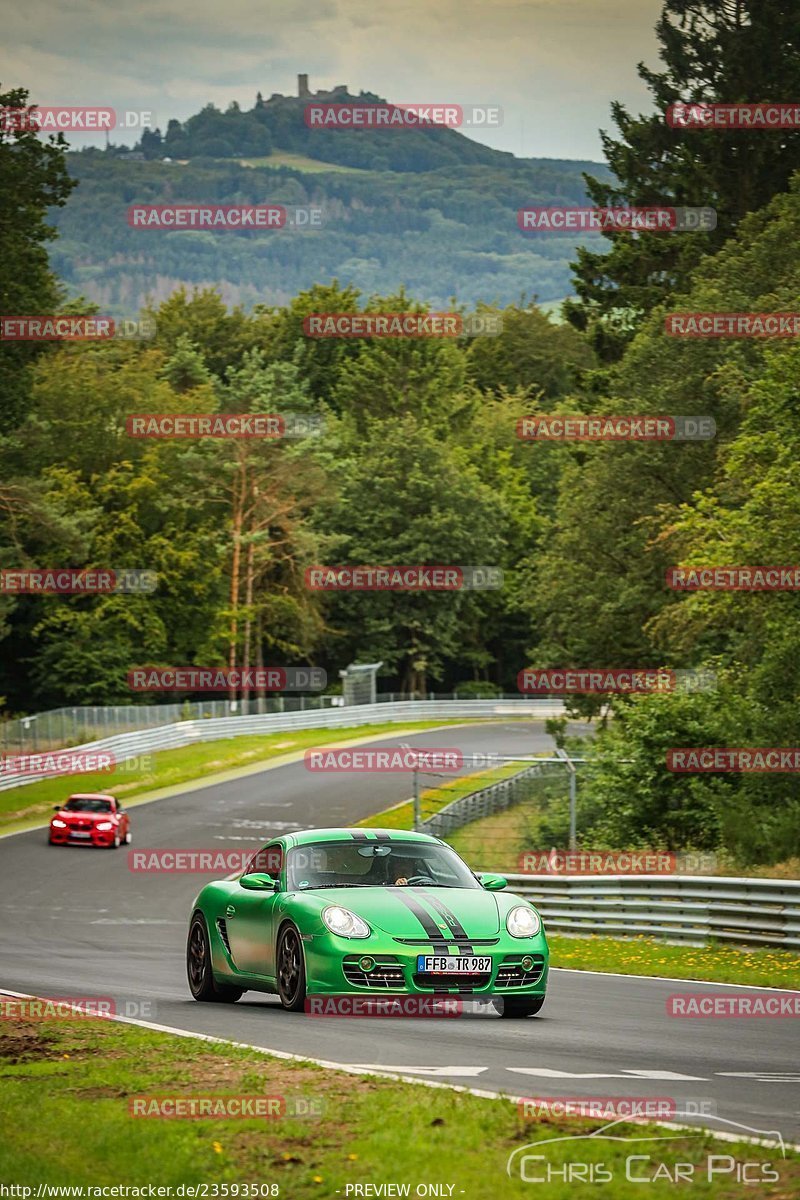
713, 51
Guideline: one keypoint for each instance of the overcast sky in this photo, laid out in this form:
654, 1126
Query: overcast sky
554, 66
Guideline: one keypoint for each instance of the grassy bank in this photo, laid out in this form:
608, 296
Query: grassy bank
433, 799
648, 956
32, 804
495, 843
66, 1088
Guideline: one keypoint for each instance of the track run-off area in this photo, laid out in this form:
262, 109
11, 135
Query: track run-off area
78, 922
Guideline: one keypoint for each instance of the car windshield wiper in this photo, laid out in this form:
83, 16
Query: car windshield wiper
317, 887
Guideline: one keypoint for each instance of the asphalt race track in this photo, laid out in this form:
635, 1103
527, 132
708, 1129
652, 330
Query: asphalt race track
78, 922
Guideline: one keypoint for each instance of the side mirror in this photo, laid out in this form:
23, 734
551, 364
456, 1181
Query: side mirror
257, 882
493, 883
57, 808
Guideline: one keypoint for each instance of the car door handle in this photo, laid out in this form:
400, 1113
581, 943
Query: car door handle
230, 911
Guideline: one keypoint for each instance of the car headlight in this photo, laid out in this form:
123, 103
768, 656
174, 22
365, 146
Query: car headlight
523, 922
58, 824
345, 923
102, 826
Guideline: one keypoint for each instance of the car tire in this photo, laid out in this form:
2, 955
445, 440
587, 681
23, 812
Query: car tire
520, 1006
199, 969
290, 970
115, 845
128, 838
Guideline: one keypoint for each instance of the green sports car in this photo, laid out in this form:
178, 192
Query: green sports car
343, 912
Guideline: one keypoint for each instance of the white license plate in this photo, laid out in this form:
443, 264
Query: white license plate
462, 964
76, 833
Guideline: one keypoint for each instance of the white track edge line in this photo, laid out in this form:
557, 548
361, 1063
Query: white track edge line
387, 1074
748, 987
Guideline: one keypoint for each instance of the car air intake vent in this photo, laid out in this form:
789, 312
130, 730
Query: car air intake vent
511, 975
386, 975
222, 926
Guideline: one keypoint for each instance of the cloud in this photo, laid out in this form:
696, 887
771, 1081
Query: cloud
553, 65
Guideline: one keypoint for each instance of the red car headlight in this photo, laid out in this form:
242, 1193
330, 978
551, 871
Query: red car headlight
104, 826
58, 824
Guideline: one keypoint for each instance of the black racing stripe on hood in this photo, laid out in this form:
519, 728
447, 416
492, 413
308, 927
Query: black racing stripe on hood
358, 836
460, 935
439, 940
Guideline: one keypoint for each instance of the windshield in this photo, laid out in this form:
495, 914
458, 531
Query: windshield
79, 804
376, 864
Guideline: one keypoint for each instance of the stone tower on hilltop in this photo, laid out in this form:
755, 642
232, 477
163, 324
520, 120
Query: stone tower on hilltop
302, 87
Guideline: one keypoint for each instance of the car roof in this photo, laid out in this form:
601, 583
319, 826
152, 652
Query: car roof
304, 837
91, 796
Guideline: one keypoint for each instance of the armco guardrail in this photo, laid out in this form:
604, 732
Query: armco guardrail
489, 800
687, 908
184, 733
77, 724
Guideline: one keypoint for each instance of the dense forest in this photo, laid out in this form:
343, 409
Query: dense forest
428, 209
448, 231
419, 461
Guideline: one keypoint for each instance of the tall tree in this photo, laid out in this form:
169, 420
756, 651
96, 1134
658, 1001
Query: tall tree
713, 51
33, 178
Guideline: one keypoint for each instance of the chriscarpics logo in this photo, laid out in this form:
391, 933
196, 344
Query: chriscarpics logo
621, 1153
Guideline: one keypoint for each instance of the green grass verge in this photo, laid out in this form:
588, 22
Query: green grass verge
32, 804
493, 844
432, 800
648, 956
66, 1087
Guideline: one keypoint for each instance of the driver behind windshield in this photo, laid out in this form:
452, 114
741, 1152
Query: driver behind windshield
403, 869
390, 870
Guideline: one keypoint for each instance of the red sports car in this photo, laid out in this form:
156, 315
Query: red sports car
90, 820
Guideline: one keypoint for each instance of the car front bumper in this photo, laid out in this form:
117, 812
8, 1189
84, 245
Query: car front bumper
333, 968
66, 837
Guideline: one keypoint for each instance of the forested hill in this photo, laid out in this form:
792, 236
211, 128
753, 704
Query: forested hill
279, 124
429, 209
444, 233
